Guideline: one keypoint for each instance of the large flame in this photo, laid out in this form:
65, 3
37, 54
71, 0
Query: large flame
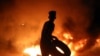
35, 50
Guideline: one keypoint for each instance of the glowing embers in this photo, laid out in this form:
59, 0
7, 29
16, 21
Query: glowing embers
32, 51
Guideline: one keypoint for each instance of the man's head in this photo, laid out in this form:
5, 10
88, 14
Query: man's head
52, 15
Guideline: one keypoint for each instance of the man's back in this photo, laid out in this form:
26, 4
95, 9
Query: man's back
45, 42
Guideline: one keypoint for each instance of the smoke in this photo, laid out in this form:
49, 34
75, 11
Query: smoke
94, 27
21, 23
84, 24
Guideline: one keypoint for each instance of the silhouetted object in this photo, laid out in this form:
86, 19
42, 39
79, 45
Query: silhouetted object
48, 43
62, 46
45, 43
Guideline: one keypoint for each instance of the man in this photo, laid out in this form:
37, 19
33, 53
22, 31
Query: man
47, 44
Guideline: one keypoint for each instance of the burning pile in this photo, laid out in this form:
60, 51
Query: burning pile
34, 50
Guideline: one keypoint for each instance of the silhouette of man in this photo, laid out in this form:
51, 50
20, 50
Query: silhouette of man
48, 42
45, 43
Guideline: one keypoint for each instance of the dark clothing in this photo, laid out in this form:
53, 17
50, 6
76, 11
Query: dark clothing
45, 43
47, 32
48, 45
48, 29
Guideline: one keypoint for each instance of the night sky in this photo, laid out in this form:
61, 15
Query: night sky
21, 23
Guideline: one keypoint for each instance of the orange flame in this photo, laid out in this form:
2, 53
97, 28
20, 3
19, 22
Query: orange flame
35, 50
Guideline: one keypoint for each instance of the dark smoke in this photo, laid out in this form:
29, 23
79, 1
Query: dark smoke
6, 44
6, 5
88, 28
94, 27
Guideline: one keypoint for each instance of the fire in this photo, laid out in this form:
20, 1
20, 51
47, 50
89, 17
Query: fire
73, 52
98, 40
74, 47
80, 44
33, 51
67, 36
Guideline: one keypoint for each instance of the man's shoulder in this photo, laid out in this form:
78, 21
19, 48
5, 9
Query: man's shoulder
48, 23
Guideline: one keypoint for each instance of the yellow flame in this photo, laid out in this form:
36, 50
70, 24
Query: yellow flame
67, 36
33, 51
